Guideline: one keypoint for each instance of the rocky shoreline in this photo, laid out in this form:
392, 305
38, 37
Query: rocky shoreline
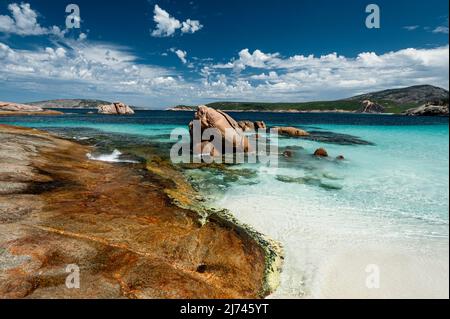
134, 230
14, 109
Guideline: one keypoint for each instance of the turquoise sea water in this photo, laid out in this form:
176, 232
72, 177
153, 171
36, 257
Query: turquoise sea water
388, 201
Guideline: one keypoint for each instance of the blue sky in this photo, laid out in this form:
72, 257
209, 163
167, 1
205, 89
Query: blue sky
157, 53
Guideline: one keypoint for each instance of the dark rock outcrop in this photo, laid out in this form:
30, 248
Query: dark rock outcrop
370, 107
288, 153
429, 109
419, 94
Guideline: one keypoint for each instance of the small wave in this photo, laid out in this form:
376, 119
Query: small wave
114, 157
82, 138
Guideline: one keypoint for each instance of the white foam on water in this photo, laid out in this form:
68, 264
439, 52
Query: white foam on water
81, 138
114, 157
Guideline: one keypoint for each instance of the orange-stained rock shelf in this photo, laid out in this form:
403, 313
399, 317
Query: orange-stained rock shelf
116, 223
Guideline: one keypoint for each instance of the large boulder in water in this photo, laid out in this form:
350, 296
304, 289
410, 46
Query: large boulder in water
215, 119
291, 131
117, 108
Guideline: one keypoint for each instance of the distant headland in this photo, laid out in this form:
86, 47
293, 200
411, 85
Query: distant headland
394, 101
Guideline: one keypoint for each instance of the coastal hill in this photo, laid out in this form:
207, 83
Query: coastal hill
69, 104
407, 97
393, 101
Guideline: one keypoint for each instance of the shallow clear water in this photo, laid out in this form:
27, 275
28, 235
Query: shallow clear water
388, 201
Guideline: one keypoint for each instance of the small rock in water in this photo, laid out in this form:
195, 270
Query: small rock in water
340, 158
321, 152
330, 186
291, 131
288, 153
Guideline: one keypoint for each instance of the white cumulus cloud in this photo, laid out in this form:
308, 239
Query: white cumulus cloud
167, 25
411, 27
101, 70
191, 26
84, 68
23, 21
330, 76
182, 55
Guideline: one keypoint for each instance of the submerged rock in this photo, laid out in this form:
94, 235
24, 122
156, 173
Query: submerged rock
288, 153
321, 152
117, 108
310, 181
336, 138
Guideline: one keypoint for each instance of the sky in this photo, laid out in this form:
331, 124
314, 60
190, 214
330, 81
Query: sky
160, 53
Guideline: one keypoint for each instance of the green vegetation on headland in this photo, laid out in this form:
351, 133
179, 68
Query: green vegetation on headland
307, 106
69, 104
393, 101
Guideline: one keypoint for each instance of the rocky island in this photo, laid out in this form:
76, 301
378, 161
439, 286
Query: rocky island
11, 109
392, 101
116, 108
